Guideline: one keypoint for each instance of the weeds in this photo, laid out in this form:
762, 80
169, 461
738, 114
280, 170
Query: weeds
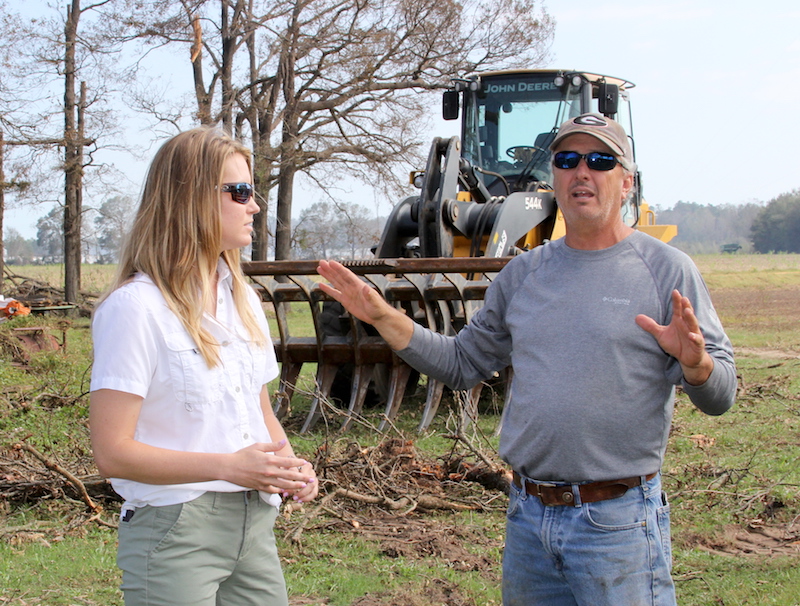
732, 480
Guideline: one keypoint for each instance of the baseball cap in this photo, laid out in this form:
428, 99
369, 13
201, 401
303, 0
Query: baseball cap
604, 129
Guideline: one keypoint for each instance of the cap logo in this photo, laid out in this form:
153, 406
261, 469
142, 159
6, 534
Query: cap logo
589, 120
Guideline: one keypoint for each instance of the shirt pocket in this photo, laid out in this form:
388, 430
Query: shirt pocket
257, 370
193, 382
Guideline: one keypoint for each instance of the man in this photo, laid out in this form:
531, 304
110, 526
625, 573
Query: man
599, 328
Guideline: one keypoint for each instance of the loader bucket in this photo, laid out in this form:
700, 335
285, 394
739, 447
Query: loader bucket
434, 290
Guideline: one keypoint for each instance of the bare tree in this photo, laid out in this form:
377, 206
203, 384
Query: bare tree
20, 251
8, 105
359, 69
361, 231
73, 156
333, 87
2, 209
317, 234
49, 234
65, 53
75, 142
16, 184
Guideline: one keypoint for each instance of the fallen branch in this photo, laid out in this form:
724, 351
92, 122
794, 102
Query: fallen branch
374, 499
101, 522
294, 536
425, 501
71, 478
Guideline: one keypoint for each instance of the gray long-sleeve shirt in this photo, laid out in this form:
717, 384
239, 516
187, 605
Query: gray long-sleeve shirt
593, 394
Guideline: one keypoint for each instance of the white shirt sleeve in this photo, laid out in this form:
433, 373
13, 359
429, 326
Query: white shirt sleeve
125, 345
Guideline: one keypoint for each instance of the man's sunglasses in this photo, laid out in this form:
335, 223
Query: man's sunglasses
594, 160
240, 192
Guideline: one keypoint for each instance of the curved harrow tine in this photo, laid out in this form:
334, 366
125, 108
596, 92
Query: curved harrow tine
433, 290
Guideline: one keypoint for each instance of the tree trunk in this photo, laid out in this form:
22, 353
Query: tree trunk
260, 223
289, 127
203, 98
228, 49
255, 118
2, 210
263, 153
283, 229
73, 160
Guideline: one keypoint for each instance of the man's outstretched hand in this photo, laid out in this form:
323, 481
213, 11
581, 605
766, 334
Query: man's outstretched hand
682, 339
363, 302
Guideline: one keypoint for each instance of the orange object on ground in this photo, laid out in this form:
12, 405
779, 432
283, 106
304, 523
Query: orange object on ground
12, 307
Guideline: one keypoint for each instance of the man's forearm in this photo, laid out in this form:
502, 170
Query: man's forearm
396, 328
699, 374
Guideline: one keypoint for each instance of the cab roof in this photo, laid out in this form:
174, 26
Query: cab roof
591, 77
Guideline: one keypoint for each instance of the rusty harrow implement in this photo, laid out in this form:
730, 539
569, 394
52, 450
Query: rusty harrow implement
440, 293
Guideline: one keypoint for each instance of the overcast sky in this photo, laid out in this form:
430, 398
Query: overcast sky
716, 105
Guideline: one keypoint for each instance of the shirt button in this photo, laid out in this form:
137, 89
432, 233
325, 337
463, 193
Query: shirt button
220, 301
245, 436
237, 389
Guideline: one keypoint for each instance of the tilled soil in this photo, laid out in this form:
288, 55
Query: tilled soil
772, 309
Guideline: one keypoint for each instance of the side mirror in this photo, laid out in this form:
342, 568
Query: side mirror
608, 99
450, 107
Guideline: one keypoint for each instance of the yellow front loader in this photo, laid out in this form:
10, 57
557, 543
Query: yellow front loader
484, 197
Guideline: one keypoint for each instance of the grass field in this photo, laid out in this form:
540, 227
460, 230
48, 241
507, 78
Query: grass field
733, 480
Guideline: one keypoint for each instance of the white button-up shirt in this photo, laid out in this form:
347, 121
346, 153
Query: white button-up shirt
141, 347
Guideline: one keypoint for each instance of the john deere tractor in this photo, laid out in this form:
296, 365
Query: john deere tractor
484, 197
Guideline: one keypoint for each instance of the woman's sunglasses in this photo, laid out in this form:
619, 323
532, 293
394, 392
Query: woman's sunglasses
240, 192
594, 160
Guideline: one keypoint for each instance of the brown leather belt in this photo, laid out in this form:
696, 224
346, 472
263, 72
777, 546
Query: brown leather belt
554, 494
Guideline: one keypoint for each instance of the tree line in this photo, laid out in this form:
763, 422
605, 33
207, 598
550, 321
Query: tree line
772, 226
333, 229
330, 89
102, 232
326, 229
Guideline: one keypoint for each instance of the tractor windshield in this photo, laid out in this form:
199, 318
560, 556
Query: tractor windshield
509, 124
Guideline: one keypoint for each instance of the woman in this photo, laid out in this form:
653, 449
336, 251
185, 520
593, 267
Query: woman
180, 414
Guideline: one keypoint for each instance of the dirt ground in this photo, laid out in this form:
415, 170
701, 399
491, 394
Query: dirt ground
391, 492
774, 310
770, 540
422, 538
439, 592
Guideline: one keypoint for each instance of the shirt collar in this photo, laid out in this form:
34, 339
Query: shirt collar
224, 275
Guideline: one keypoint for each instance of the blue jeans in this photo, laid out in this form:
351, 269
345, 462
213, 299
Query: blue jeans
610, 553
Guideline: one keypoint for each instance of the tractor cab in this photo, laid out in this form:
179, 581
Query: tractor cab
510, 119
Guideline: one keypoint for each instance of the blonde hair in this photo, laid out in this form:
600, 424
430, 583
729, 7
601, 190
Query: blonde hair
176, 235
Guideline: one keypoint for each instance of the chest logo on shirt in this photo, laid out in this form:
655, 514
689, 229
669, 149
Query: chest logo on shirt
616, 300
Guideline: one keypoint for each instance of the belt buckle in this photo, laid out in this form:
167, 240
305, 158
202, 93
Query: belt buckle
538, 486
